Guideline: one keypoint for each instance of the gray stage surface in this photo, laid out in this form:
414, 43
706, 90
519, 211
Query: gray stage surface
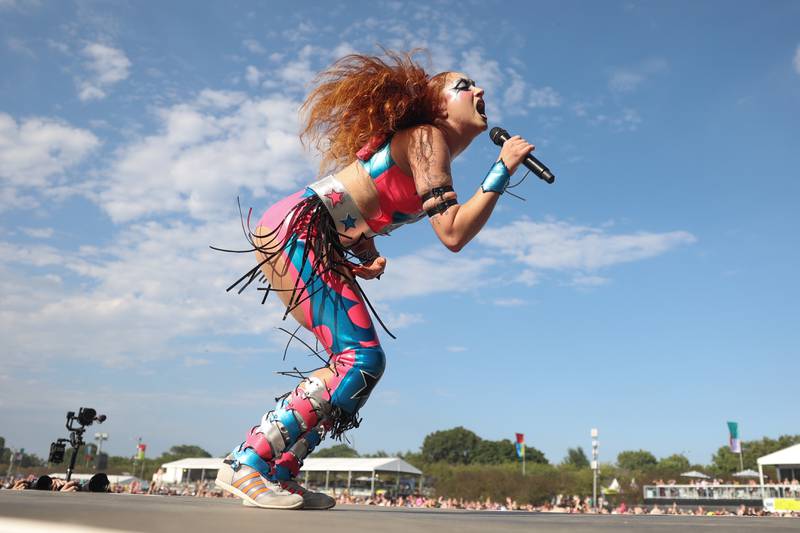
34, 511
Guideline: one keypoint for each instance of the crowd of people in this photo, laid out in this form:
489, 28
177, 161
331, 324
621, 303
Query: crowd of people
558, 504
720, 489
97, 483
715, 482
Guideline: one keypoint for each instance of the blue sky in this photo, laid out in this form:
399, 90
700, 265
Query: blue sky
651, 292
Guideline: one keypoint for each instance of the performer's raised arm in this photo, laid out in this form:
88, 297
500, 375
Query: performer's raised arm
432, 147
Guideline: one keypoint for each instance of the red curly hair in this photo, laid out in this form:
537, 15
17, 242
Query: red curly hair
360, 96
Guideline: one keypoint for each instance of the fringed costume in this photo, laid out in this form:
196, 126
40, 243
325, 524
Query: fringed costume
305, 232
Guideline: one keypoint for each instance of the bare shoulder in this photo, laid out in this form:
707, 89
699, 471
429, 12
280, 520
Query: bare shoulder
425, 137
426, 154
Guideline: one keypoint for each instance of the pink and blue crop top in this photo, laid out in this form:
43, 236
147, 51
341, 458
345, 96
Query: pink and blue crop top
398, 201
397, 193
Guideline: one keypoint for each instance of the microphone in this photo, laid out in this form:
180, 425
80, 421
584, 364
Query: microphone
499, 136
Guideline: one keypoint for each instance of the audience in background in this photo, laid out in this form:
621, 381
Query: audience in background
559, 504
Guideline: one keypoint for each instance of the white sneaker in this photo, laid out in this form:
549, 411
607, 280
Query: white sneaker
312, 501
254, 490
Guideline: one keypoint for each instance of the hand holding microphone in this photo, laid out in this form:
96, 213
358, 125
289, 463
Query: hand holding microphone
516, 146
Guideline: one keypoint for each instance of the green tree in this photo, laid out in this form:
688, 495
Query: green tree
676, 462
454, 446
413, 458
31, 459
494, 452
534, 455
727, 462
576, 457
636, 460
182, 451
338, 450
379, 453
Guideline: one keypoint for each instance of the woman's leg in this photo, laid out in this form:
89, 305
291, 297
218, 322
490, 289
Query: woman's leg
328, 304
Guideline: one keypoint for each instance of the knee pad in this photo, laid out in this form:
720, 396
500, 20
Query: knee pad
357, 383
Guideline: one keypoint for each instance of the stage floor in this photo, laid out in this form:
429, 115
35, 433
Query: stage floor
33, 511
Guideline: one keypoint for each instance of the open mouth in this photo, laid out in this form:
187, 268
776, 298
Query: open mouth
480, 107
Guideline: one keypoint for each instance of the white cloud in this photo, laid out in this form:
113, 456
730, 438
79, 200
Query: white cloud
628, 79
796, 61
582, 280
580, 109
509, 302
514, 93
627, 119
36, 153
544, 97
205, 151
19, 46
190, 362
426, 272
38, 233
298, 73
87, 91
486, 72
342, 49
253, 46
59, 46
252, 75
625, 81
107, 66
399, 320
456, 349
21, 5
152, 285
555, 245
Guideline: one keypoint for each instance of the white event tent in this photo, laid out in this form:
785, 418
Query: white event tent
787, 462
365, 469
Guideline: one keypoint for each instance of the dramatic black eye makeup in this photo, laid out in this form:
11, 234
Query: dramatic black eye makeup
464, 84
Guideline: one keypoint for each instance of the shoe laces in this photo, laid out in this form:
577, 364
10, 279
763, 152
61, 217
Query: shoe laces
294, 487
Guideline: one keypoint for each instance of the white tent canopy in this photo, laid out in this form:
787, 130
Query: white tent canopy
785, 458
180, 471
695, 473
176, 471
359, 464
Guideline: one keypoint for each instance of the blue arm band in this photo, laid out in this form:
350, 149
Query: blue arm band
497, 178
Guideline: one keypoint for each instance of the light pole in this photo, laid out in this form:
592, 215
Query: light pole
595, 467
100, 437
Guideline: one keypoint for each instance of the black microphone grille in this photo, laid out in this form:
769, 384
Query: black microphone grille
498, 136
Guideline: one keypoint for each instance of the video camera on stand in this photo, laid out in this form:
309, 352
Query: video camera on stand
86, 417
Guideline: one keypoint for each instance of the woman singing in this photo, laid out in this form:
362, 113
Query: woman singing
392, 132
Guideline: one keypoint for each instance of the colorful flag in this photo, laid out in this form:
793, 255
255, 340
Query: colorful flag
735, 445
141, 448
520, 445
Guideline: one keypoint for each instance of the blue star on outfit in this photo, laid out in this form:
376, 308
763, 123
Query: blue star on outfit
349, 222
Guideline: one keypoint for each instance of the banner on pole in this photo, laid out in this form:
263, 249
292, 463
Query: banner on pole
140, 454
520, 445
734, 443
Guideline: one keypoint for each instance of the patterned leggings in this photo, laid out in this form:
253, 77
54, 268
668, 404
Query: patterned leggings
334, 308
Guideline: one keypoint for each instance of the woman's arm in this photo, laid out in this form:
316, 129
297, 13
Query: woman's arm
429, 158
372, 264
